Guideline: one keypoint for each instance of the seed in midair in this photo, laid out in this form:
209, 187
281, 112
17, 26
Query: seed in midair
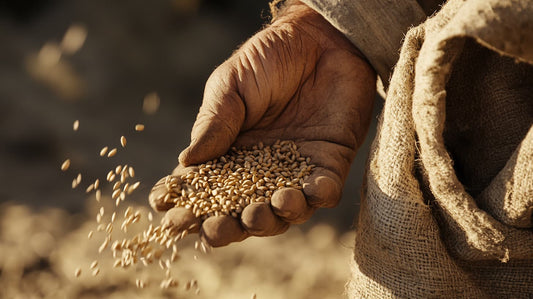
139, 127
151, 103
65, 165
94, 264
77, 272
112, 153
103, 151
76, 125
90, 235
123, 141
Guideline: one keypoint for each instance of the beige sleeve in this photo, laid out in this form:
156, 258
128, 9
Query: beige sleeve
376, 27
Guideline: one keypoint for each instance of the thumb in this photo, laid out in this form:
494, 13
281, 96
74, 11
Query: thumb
219, 120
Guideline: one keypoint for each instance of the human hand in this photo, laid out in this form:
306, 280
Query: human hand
298, 79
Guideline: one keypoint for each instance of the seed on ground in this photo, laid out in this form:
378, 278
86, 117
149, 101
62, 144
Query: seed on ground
76, 125
65, 165
123, 141
139, 127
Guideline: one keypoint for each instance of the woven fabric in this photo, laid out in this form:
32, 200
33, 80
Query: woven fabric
448, 195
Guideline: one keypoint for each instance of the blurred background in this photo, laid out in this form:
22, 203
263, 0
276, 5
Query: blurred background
100, 62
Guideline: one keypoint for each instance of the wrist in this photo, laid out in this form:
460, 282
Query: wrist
298, 14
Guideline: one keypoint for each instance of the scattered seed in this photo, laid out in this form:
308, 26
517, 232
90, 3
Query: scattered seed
94, 264
139, 127
76, 125
103, 151
90, 235
151, 103
77, 272
123, 141
65, 165
96, 271
112, 153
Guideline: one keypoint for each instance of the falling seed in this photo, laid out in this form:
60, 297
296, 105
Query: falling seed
65, 165
123, 141
73, 39
254, 296
96, 183
112, 153
151, 103
77, 272
131, 171
103, 151
90, 235
139, 127
76, 125
96, 271
89, 188
150, 216
94, 264
98, 195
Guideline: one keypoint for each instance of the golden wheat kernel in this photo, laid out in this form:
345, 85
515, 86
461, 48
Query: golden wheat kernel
112, 153
94, 264
139, 127
77, 272
65, 165
96, 271
118, 169
131, 171
123, 141
76, 125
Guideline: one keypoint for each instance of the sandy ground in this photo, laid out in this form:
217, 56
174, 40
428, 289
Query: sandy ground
132, 48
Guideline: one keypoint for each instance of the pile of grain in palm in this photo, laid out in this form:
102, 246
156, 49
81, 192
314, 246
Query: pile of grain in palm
226, 185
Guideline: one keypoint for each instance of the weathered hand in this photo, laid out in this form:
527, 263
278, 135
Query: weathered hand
298, 79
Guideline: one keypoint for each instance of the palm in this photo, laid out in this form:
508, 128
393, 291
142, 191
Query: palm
295, 86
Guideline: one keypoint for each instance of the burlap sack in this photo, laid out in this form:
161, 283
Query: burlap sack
448, 198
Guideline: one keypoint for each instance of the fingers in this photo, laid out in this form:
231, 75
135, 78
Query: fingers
219, 120
322, 189
179, 219
157, 195
259, 220
222, 230
291, 206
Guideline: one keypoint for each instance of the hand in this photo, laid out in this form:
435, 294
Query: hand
298, 79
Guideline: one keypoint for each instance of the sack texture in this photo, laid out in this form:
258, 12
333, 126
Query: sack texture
448, 195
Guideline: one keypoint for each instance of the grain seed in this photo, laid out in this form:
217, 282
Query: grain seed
123, 141
112, 153
76, 125
65, 165
77, 272
103, 151
139, 127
